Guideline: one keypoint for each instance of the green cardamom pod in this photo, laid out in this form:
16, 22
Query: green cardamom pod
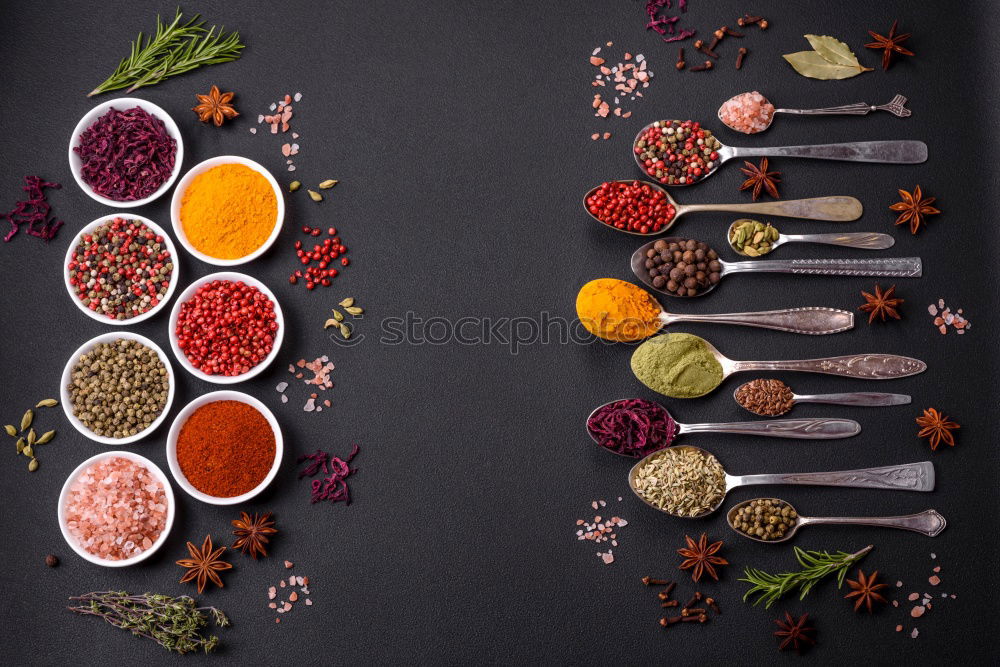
26, 419
32, 437
315, 196
773, 234
45, 437
33, 465
11, 431
345, 331
20, 445
750, 251
47, 403
327, 184
28, 451
337, 315
349, 301
293, 186
354, 310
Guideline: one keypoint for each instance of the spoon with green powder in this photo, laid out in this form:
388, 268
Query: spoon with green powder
682, 365
690, 483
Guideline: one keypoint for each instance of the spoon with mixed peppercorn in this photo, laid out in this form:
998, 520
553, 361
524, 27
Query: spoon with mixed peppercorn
687, 267
683, 152
773, 398
774, 520
645, 209
752, 238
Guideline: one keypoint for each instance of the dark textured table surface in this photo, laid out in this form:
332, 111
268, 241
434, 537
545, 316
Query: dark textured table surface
460, 133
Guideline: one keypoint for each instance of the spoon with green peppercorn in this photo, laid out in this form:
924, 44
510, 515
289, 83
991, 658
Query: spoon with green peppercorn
751, 238
774, 520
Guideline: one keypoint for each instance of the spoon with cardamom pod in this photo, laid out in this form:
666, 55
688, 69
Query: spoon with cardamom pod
683, 152
773, 398
690, 483
645, 209
682, 365
752, 238
685, 268
635, 427
774, 520
751, 113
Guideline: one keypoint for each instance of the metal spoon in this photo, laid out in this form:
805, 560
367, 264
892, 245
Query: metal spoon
864, 240
860, 366
802, 429
863, 399
885, 152
891, 267
928, 522
833, 209
903, 477
895, 106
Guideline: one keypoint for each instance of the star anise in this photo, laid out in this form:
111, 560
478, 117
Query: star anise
914, 208
794, 632
204, 564
215, 107
881, 304
699, 557
937, 428
759, 178
888, 44
251, 534
864, 590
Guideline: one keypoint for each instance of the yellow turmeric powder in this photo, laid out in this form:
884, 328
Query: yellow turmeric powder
228, 211
617, 310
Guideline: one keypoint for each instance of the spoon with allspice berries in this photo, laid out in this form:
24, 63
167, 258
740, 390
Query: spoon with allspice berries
772, 398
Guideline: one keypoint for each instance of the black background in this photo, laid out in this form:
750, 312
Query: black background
460, 134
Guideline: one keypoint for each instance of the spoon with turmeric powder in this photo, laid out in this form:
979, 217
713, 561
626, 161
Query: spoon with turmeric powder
646, 209
620, 311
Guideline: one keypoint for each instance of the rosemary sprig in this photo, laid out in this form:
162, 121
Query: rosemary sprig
815, 564
173, 623
174, 49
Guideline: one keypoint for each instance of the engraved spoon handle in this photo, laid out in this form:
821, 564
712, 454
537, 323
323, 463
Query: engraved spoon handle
865, 399
895, 106
810, 320
889, 267
905, 477
886, 152
866, 240
807, 429
928, 522
865, 366
834, 209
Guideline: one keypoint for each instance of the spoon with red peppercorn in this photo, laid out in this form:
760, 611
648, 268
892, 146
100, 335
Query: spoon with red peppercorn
687, 267
645, 209
683, 152
777, 521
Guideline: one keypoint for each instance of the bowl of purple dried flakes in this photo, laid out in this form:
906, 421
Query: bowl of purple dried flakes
126, 152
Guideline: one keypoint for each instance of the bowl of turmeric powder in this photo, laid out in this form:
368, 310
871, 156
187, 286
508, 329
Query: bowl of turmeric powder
227, 210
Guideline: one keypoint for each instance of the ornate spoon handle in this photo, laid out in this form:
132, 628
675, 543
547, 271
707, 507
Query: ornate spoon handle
809, 429
866, 240
895, 106
905, 477
928, 522
862, 399
810, 320
835, 209
866, 366
886, 152
890, 267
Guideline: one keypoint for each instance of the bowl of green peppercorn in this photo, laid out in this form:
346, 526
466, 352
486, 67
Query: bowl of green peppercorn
117, 388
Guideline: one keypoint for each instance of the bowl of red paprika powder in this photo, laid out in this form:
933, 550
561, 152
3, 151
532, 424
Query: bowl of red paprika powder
226, 327
224, 448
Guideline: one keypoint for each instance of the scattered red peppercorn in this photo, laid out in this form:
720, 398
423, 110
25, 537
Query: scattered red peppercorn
631, 206
323, 254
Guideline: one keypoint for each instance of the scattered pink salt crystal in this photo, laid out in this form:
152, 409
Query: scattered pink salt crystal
289, 565
595, 136
272, 592
282, 583
293, 597
917, 611
937, 569
272, 605
914, 633
899, 628
913, 596
308, 602
934, 580
608, 558
899, 584
895, 603
287, 607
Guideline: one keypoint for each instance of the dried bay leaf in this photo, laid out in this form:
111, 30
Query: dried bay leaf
835, 51
811, 64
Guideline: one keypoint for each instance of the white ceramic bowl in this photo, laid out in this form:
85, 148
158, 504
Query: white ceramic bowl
122, 104
189, 292
175, 208
104, 319
167, 491
67, 403
187, 411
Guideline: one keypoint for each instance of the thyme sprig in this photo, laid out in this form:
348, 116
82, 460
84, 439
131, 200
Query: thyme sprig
174, 49
174, 623
816, 565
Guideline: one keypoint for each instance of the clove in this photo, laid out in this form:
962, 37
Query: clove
713, 604
748, 20
740, 55
649, 581
693, 612
669, 603
700, 45
729, 31
702, 68
701, 618
680, 58
690, 603
667, 621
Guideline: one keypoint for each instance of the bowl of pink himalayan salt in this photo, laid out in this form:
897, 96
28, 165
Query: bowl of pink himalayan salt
116, 509
748, 113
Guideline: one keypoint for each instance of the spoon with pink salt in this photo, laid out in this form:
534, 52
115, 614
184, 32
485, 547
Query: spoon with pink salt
751, 113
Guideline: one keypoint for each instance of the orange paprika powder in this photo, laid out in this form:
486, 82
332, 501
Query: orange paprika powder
226, 448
